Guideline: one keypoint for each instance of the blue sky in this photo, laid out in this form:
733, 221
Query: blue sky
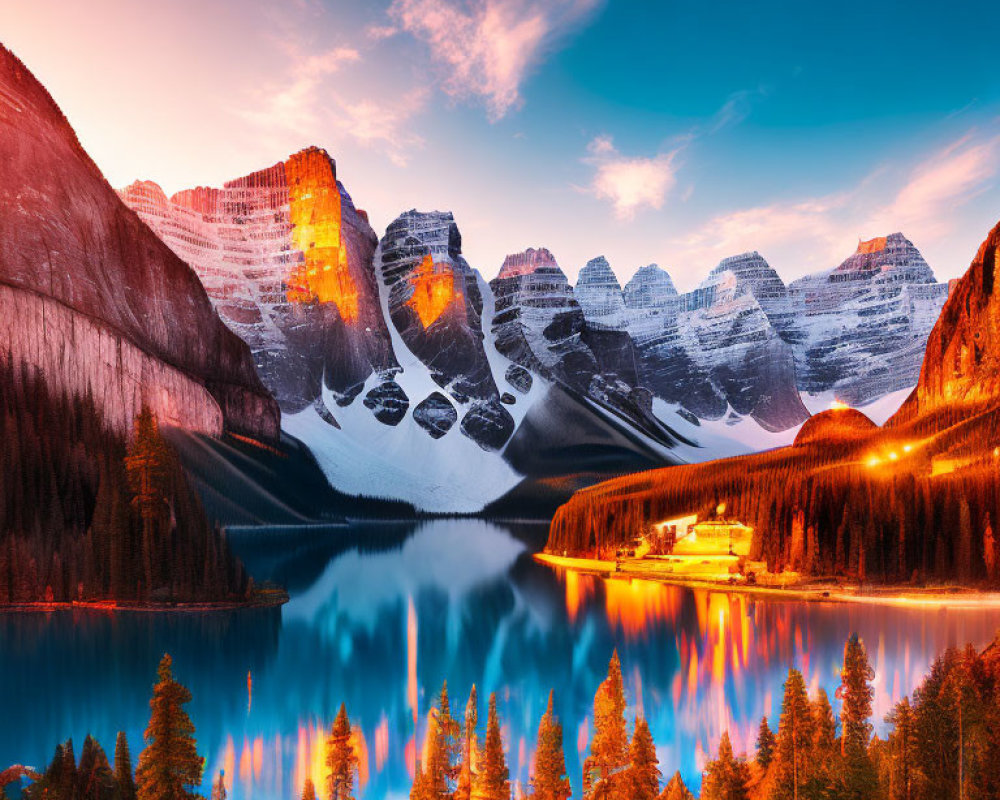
674, 132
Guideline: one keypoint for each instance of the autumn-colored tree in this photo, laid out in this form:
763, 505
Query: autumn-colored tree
549, 781
441, 765
169, 766
765, 744
124, 777
824, 724
308, 790
469, 767
219, 787
795, 737
902, 751
726, 777
676, 789
94, 778
603, 770
494, 780
857, 777
146, 465
341, 760
642, 779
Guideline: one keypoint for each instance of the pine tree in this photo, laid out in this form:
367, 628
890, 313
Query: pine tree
609, 756
903, 746
308, 790
169, 766
824, 724
642, 781
494, 782
443, 748
94, 778
124, 778
795, 737
549, 781
726, 777
219, 787
341, 760
765, 744
858, 775
470, 749
676, 789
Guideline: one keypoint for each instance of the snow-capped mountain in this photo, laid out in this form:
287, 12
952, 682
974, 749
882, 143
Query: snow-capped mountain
860, 329
408, 376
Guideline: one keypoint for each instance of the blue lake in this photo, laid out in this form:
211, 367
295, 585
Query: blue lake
380, 615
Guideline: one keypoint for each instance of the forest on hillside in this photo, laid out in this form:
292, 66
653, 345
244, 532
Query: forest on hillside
87, 516
914, 502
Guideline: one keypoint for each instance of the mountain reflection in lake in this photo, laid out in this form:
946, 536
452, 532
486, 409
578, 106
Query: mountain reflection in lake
380, 615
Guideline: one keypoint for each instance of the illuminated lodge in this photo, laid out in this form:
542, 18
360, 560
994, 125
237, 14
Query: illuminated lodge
688, 536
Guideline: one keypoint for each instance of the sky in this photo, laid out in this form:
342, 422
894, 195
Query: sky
676, 132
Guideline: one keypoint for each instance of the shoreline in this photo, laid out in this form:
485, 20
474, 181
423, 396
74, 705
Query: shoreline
271, 600
818, 591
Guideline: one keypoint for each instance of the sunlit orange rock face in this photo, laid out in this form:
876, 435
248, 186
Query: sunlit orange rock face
962, 362
433, 290
872, 245
315, 216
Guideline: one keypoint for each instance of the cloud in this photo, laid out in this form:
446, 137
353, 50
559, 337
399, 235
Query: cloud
949, 178
923, 201
736, 108
312, 99
629, 183
487, 48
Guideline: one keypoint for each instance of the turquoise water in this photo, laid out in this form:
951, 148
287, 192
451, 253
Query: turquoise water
380, 615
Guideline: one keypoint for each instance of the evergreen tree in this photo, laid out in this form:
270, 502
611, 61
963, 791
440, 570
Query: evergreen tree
902, 751
494, 781
643, 777
726, 777
341, 760
443, 748
675, 789
858, 776
308, 790
94, 778
470, 749
765, 744
795, 737
169, 766
825, 725
549, 781
609, 756
219, 787
124, 778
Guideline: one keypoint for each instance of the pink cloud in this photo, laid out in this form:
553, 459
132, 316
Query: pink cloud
630, 183
488, 47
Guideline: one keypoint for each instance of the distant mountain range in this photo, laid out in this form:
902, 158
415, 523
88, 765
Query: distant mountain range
403, 371
405, 326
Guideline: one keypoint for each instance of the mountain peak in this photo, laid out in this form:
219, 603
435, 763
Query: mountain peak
649, 288
526, 262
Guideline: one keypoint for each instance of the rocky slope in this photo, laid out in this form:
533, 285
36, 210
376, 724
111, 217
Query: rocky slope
101, 301
961, 369
860, 329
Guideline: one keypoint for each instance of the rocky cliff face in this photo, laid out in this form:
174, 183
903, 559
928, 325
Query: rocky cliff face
961, 367
732, 328
286, 259
537, 321
66, 238
860, 329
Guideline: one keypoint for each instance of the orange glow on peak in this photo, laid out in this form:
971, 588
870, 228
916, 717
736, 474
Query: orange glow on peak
433, 290
838, 405
315, 215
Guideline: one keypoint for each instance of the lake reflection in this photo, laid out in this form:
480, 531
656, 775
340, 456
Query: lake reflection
379, 616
